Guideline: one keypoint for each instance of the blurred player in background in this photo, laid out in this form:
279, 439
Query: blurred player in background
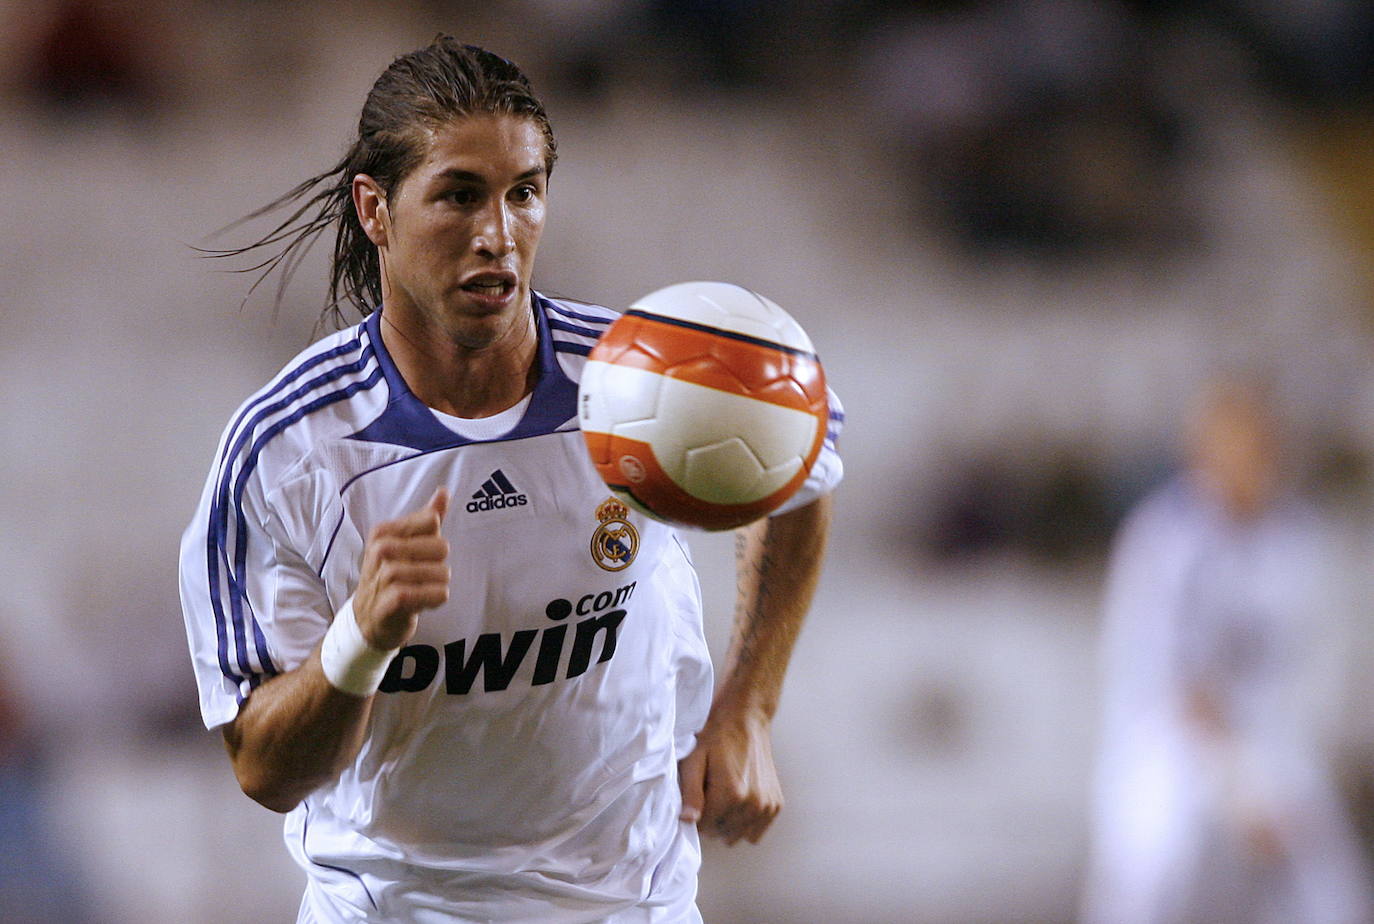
1213, 800
398, 610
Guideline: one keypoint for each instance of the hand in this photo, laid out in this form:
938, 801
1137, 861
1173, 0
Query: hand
1263, 840
404, 571
729, 784
1206, 713
1259, 824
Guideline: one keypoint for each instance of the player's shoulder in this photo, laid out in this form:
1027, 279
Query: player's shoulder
1156, 511
574, 312
329, 389
573, 328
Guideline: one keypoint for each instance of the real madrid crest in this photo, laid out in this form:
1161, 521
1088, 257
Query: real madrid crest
616, 541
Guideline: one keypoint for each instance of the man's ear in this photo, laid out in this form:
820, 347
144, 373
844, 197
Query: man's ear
370, 202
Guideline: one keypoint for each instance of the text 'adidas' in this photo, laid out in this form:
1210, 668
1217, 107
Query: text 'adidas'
496, 493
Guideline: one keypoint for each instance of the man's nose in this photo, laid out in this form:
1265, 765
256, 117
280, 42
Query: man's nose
494, 237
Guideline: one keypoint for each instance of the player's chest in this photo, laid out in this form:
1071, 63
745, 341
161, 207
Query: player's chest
530, 526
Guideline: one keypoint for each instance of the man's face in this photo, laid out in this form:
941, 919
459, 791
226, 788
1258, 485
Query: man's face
1235, 448
464, 228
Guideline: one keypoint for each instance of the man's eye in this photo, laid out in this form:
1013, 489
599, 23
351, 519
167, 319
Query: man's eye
523, 193
463, 196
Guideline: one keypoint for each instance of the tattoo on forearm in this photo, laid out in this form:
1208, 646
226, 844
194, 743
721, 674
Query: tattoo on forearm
741, 564
755, 564
776, 567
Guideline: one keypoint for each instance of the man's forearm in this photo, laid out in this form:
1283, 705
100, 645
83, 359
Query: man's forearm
295, 733
778, 564
730, 786
298, 730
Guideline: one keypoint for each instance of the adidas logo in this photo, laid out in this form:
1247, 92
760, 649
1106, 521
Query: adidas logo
496, 493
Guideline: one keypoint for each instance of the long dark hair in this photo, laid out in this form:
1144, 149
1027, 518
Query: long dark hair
420, 90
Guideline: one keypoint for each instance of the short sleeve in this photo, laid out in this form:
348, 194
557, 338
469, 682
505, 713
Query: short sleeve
252, 604
827, 471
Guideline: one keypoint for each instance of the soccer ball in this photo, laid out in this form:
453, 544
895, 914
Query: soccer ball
704, 405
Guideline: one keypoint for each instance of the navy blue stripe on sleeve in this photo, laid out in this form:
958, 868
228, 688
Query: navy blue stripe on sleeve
567, 346
555, 324
231, 621
579, 316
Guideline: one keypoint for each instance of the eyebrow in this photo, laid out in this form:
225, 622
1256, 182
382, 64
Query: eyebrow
467, 176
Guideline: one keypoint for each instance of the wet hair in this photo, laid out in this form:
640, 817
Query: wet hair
419, 92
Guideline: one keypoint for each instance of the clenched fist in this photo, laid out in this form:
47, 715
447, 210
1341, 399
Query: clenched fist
405, 571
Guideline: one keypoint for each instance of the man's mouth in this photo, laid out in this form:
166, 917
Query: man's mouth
487, 288
490, 285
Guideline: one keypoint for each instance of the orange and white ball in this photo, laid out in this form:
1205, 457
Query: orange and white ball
704, 405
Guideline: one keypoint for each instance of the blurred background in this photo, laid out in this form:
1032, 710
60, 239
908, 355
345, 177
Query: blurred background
1024, 234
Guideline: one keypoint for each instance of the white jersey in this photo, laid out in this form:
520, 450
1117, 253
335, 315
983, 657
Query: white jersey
1198, 599
521, 757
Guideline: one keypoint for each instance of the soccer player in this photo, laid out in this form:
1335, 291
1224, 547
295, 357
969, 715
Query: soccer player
1213, 796
398, 610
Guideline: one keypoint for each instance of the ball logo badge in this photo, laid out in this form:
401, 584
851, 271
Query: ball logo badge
616, 541
632, 468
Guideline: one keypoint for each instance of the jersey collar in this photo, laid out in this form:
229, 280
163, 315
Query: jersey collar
408, 421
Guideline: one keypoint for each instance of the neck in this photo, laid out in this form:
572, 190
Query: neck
461, 379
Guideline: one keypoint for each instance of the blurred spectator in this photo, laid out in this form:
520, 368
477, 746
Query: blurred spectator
37, 885
1052, 504
1033, 126
689, 48
1213, 799
717, 41
89, 56
1312, 53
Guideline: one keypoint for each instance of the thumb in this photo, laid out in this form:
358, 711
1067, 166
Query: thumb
691, 777
439, 503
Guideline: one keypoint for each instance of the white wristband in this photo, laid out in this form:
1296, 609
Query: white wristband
349, 662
